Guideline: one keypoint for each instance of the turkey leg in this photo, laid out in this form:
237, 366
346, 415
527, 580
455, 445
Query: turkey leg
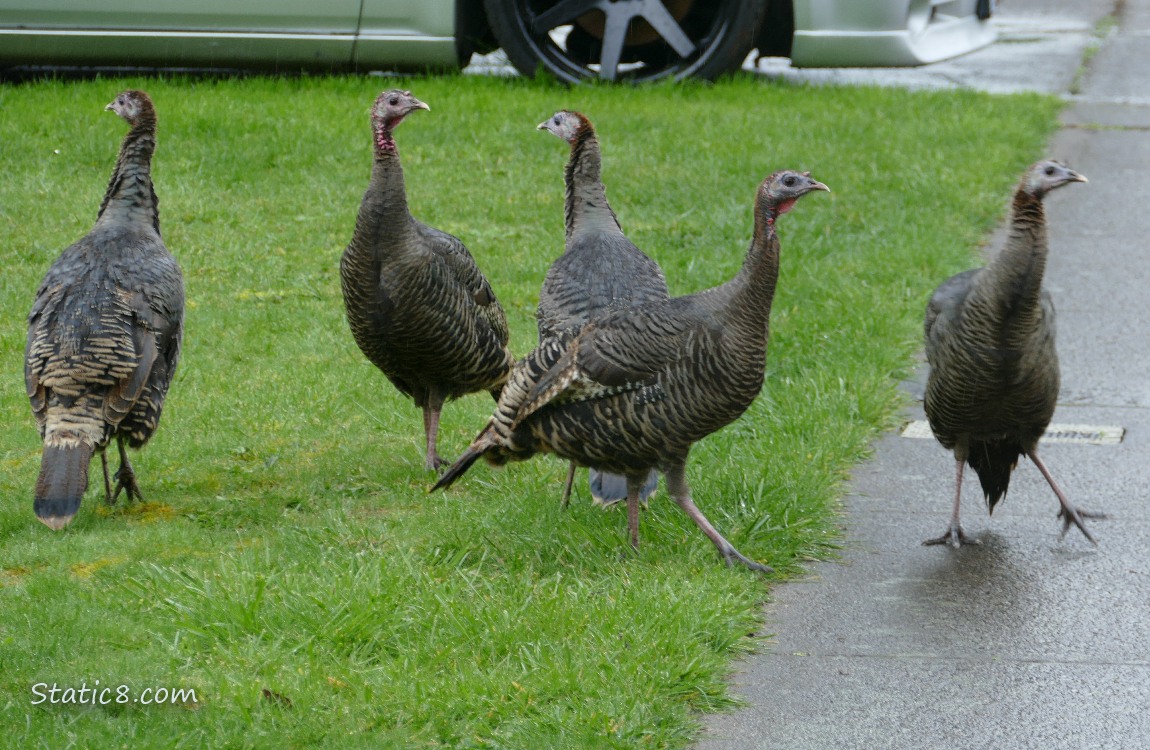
126, 476
1068, 513
569, 483
431, 429
633, 486
107, 484
954, 535
677, 488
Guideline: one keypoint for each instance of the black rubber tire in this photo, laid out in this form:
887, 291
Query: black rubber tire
723, 32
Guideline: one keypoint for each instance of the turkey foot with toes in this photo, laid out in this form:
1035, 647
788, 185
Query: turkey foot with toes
125, 477
1073, 516
126, 482
954, 536
735, 555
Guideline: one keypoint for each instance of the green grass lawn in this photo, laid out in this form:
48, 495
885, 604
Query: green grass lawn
289, 565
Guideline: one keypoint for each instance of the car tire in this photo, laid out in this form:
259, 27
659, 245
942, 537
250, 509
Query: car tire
626, 40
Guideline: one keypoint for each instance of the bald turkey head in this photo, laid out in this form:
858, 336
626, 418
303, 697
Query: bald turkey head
392, 106
564, 124
132, 105
778, 193
1047, 175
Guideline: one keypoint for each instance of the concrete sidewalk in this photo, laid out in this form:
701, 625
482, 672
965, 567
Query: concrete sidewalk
1029, 640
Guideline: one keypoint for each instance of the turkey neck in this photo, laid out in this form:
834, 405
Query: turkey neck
1013, 280
388, 194
748, 308
130, 196
384, 220
586, 203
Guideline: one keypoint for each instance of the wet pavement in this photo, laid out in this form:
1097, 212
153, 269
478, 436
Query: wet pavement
1028, 640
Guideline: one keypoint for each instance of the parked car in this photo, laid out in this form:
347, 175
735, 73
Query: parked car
633, 40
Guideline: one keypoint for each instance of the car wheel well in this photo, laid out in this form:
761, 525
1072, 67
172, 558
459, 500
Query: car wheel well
777, 32
473, 34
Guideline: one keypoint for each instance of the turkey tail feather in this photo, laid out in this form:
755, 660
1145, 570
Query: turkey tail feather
459, 468
62, 481
993, 462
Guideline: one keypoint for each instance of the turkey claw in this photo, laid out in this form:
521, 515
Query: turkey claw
126, 482
954, 536
1073, 516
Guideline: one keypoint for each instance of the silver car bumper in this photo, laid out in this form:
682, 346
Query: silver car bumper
884, 33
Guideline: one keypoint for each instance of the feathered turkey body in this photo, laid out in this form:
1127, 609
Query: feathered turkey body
418, 306
994, 376
600, 271
635, 388
105, 330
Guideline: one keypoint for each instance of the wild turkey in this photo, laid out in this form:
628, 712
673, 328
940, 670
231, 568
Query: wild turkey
104, 332
600, 271
637, 387
994, 376
417, 304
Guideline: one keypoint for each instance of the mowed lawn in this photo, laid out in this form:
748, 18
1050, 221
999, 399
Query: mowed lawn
289, 565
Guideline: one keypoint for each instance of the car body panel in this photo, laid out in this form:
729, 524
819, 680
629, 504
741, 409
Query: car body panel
407, 34
285, 16
431, 18
235, 33
174, 49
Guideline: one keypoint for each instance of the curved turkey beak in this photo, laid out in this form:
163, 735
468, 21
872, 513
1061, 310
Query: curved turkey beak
416, 104
816, 185
109, 107
543, 125
1075, 177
